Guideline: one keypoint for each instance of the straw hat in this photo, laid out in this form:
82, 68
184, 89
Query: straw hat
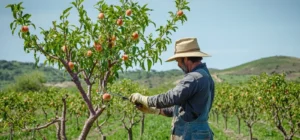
187, 47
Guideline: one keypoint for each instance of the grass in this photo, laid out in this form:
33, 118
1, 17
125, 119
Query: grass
260, 130
158, 127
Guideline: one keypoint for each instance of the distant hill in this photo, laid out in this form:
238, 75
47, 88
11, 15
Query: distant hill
277, 64
152, 79
9, 70
274, 64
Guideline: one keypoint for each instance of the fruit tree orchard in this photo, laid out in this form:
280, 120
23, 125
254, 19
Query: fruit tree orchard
96, 50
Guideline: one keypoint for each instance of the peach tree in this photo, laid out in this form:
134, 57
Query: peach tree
27, 113
121, 114
281, 99
98, 48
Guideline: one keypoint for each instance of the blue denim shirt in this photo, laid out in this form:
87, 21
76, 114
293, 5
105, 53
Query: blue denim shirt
190, 94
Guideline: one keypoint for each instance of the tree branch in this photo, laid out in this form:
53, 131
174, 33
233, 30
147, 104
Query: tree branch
278, 124
123, 122
47, 54
106, 76
92, 70
83, 94
57, 125
43, 126
63, 119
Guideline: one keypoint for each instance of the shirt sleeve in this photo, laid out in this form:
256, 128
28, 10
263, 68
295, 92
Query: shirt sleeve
176, 96
168, 111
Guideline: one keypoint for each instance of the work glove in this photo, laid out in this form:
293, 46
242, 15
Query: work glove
137, 98
149, 110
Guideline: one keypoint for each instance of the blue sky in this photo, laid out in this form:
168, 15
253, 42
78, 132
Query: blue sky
232, 31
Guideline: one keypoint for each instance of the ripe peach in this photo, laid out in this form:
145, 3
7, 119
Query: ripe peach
89, 53
25, 29
101, 16
135, 35
125, 57
98, 47
71, 65
106, 97
128, 12
120, 22
180, 13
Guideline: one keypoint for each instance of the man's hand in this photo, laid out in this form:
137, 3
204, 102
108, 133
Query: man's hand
137, 98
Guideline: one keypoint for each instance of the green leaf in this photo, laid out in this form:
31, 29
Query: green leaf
11, 25
142, 64
26, 16
73, 3
186, 7
160, 60
9, 5
149, 62
15, 15
134, 50
33, 25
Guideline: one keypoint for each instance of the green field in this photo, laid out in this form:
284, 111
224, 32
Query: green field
158, 128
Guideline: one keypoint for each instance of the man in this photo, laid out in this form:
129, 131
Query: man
189, 103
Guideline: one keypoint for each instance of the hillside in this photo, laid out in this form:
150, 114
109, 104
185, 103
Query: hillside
272, 64
275, 64
9, 70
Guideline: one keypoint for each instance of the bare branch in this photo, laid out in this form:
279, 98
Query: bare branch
43, 126
123, 121
278, 124
45, 113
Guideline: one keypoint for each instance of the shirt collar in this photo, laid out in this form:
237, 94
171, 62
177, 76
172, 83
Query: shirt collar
200, 66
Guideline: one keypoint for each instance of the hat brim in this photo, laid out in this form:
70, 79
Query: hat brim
187, 54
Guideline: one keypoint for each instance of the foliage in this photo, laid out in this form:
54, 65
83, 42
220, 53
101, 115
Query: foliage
32, 81
269, 98
95, 51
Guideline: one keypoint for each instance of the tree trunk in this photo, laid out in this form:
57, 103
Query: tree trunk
89, 123
142, 125
129, 131
103, 137
33, 134
63, 120
287, 138
239, 125
225, 118
45, 114
11, 131
77, 122
58, 130
217, 118
250, 131
87, 127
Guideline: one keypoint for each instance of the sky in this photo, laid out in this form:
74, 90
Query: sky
233, 32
